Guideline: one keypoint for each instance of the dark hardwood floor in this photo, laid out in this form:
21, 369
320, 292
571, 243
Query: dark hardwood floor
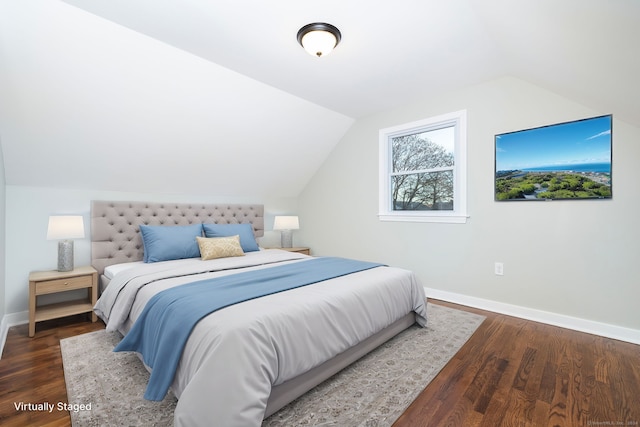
512, 372
31, 371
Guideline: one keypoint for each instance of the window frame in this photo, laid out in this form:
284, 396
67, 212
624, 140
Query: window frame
458, 215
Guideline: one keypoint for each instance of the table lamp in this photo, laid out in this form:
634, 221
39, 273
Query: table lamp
64, 228
285, 224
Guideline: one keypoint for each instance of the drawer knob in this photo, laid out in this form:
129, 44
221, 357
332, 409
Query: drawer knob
66, 283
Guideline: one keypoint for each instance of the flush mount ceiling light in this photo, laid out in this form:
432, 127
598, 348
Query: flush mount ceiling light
319, 38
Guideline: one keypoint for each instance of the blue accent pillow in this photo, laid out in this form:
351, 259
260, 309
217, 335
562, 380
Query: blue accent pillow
168, 242
245, 231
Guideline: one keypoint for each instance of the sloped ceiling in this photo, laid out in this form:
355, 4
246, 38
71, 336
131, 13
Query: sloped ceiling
217, 96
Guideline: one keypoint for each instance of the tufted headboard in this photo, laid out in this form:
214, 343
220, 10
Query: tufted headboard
115, 232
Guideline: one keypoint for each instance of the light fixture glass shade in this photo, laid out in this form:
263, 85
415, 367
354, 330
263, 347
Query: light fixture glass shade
286, 222
319, 38
65, 227
319, 43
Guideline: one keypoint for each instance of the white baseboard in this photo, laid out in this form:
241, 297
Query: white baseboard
8, 321
561, 320
4, 329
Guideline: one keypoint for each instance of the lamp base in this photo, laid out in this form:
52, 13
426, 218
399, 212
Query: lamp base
286, 238
65, 255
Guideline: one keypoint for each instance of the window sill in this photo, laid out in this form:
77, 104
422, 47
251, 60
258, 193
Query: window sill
443, 219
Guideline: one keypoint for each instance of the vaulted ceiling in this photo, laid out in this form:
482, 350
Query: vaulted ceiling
218, 97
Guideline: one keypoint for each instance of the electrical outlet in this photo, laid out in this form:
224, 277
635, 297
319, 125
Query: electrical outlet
499, 269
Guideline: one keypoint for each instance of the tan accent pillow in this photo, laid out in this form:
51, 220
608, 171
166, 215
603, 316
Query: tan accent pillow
219, 247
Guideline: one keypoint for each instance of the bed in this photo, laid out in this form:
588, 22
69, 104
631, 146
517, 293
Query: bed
244, 362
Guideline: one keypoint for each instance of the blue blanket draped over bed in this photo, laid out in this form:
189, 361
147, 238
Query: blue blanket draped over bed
162, 330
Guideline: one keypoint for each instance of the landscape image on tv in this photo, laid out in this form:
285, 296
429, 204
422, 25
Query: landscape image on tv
563, 161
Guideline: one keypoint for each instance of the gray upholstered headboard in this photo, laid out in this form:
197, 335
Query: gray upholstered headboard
115, 232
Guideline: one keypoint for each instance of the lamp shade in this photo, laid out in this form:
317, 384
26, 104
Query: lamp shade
286, 222
65, 227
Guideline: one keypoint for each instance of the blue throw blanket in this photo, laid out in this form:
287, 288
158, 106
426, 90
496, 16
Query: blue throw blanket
162, 330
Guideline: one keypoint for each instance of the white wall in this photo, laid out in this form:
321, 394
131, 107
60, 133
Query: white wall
3, 323
27, 214
572, 258
2, 242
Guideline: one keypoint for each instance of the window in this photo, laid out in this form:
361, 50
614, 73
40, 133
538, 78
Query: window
423, 170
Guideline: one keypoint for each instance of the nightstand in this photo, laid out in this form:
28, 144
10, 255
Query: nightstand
51, 282
305, 251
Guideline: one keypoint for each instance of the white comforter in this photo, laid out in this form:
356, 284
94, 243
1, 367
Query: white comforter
235, 355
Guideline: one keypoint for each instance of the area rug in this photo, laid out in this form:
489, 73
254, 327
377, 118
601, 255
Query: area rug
106, 388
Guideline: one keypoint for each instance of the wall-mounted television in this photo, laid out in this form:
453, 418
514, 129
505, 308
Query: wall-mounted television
564, 161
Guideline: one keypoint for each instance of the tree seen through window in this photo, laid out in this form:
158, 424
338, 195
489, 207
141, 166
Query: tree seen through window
422, 171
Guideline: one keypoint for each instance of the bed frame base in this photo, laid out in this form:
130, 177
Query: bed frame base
288, 391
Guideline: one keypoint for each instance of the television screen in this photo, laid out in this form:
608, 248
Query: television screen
569, 160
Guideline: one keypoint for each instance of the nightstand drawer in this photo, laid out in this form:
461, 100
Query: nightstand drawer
66, 284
